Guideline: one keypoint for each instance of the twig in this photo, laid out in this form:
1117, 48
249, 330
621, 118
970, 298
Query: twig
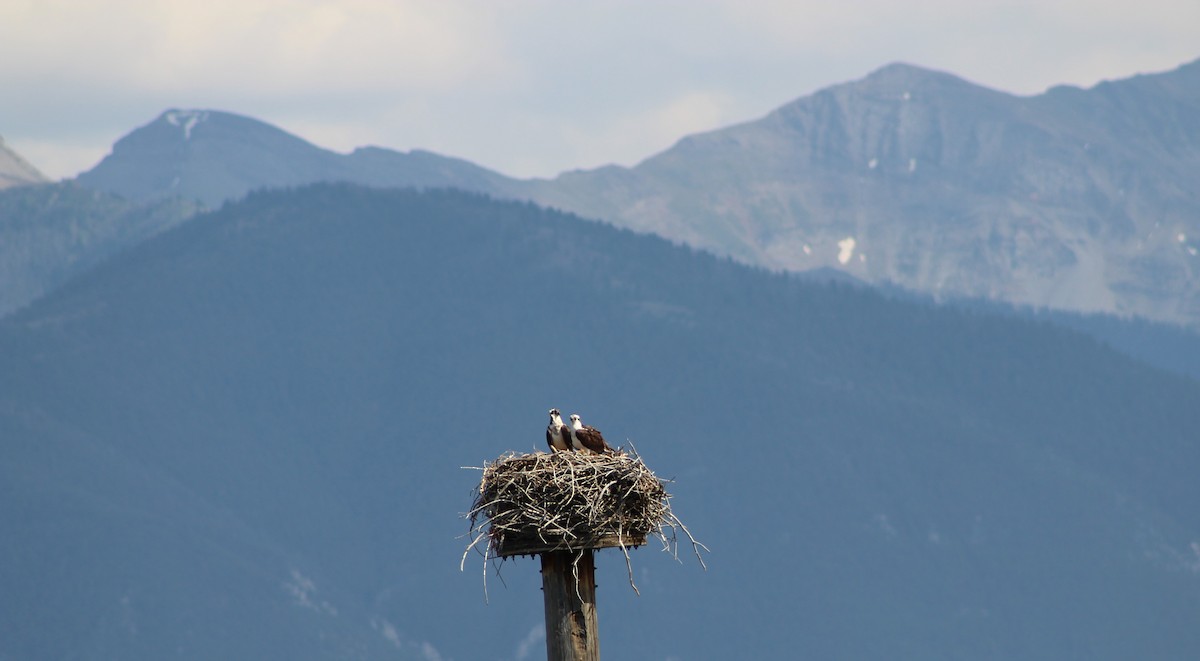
485, 560
628, 562
575, 573
696, 546
473, 543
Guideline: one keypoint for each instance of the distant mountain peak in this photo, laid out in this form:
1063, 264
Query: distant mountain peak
206, 155
902, 69
215, 156
906, 79
219, 124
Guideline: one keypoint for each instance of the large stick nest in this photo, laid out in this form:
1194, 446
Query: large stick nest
532, 503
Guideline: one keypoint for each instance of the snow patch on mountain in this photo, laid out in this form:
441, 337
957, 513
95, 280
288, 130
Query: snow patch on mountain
187, 119
846, 250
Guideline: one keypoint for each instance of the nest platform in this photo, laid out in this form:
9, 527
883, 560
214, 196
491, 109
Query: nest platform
528, 504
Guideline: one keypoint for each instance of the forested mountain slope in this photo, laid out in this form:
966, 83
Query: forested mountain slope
243, 439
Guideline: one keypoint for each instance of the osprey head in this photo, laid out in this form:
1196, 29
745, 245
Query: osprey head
575, 418
554, 412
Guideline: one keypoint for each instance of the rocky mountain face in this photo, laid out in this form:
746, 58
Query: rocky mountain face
213, 156
16, 171
1073, 199
1076, 200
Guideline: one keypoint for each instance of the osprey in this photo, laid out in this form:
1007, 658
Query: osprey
587, 439
558, 436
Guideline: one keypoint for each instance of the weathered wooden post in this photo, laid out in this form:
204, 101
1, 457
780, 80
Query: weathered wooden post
572, 631
569, 593
564, 506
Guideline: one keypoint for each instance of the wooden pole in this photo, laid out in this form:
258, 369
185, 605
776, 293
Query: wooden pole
572, 632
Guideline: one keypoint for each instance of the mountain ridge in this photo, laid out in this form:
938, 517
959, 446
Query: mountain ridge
215, 156
1073, 199
944, 187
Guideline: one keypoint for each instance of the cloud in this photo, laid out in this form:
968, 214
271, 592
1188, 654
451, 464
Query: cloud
263, 46
430, 653
631, 137
425, 649
1021, 46
529, 87
535, 637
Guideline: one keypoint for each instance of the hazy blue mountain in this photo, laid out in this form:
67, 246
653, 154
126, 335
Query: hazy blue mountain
162, 173
213, 156
1078, 200
1172, 348
243, 439
1169, 347
50, 233
1074, 199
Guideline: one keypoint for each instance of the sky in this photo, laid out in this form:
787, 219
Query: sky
526, 87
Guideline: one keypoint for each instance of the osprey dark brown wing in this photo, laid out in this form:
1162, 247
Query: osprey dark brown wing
588, 439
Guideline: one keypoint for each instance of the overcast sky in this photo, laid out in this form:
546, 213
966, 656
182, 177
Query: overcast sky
527, 87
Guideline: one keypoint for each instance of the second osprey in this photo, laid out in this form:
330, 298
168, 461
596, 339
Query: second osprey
577, 436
